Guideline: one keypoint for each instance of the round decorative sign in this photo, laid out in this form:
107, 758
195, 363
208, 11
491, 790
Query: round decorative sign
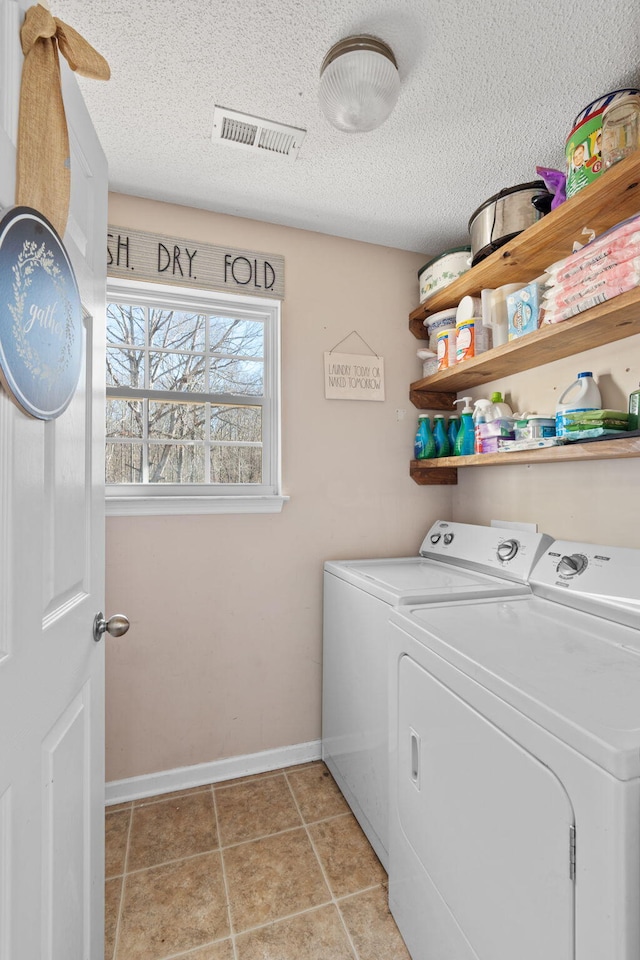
41, 333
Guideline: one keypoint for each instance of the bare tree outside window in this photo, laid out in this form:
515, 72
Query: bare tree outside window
180, 387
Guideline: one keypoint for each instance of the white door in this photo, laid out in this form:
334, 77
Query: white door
51, 585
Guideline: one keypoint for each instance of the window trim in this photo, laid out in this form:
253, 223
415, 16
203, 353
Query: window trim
176, 499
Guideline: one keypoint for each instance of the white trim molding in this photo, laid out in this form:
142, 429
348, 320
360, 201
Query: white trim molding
182, 506
183, 778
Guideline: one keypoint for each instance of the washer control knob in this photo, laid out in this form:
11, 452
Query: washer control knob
448, 537
435, 538
572, 566
508, 549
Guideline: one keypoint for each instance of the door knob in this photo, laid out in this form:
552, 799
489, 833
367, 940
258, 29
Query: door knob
116, 625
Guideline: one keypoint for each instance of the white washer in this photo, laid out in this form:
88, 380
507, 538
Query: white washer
456, 561
515, 767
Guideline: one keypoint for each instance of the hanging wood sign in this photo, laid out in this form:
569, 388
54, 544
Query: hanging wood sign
135, 255
352, 376
41, 331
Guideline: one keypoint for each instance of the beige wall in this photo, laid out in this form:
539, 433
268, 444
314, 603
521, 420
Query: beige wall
224, 653
591, 501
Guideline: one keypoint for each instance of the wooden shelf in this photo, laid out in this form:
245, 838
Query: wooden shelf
611, 199
613, 320
614, 196
444, 470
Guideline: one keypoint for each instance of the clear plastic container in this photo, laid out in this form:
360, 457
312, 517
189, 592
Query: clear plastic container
472, 339
621, 129
446, 349
494, 311
429, 361
443, 320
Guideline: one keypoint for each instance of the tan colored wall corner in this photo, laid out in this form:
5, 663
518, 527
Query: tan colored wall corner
597, 501
224, 653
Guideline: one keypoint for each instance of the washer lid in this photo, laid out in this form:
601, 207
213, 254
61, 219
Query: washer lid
575, 674
415, 580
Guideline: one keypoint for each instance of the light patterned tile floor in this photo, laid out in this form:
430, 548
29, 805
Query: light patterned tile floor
270, 867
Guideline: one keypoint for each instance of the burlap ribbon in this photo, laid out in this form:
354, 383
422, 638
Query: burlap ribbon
44, 166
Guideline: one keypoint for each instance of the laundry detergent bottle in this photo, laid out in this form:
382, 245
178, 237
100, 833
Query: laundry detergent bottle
466, 439
582, 394
453, 425
499, 408
443, 448
425, 446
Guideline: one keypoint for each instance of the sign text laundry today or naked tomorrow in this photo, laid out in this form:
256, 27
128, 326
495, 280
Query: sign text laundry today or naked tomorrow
350, 376
135, 255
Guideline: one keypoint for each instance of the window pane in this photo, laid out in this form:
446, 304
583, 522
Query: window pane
176, 421
176, 463
125, 368
188, 391
236, 423
236, 464
244, 377
124, 418
123, 463
125, 324
177, 371
176, 330
242, 338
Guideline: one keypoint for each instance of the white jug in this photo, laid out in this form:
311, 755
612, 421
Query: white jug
584, 395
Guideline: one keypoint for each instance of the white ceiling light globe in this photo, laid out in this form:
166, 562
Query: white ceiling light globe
359, 84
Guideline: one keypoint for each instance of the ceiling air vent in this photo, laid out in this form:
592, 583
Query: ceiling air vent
254, 133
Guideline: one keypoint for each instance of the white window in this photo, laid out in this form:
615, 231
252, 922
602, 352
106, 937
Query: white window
193, 401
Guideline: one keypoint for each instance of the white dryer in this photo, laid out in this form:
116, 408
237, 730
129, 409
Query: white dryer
515, 767
456, 561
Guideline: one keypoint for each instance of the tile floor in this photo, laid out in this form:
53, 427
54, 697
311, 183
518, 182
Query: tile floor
272, 867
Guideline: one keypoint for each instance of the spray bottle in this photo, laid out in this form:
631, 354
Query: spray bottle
479, 419
465, 441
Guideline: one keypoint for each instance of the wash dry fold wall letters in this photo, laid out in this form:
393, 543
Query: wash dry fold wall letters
135, 255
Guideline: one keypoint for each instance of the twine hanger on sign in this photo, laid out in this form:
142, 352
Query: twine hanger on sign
370, 349
43, 177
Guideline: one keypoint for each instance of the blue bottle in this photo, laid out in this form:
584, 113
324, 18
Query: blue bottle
452, 431
425, 445
443, 448
466, 439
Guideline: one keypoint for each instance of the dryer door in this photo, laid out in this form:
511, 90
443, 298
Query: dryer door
489, 823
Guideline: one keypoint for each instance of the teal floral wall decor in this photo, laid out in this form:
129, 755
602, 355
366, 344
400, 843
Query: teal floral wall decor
41, 330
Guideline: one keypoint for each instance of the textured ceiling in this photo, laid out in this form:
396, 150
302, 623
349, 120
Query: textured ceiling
489, 90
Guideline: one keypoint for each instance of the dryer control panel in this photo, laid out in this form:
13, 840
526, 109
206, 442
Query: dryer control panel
597, 579
491, 550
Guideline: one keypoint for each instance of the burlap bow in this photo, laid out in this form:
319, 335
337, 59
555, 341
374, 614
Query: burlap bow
43, 178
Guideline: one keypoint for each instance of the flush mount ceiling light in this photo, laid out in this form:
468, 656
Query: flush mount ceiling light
359, 84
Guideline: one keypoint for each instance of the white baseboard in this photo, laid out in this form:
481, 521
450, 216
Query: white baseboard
182, 778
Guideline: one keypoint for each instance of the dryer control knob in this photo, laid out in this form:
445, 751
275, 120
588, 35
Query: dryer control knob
448, 537
572, 566
435, 538
508, 549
